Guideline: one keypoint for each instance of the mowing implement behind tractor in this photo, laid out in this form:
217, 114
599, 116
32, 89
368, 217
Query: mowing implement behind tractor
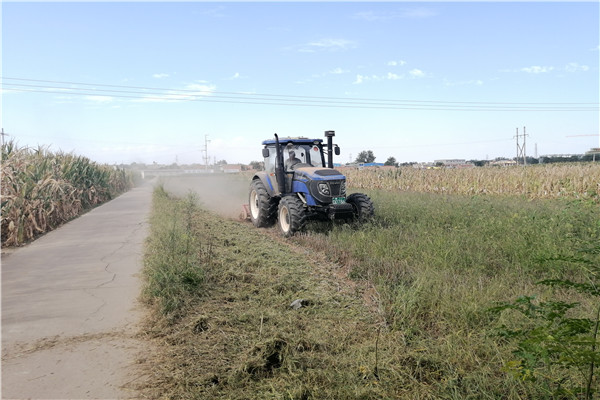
303, 187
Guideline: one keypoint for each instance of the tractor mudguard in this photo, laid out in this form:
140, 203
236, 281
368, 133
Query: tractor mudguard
269, 182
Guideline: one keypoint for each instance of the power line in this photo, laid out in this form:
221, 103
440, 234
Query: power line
173, 95
290, 96
172, 98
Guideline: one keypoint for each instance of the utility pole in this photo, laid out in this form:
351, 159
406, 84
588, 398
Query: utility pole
206, 152
3, 134
521, 149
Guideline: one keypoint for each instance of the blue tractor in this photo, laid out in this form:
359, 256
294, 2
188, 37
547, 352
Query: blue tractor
303, 186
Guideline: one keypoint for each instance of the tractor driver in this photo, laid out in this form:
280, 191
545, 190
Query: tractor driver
292, 160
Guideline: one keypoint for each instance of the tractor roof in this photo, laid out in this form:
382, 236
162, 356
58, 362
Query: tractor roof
293, 140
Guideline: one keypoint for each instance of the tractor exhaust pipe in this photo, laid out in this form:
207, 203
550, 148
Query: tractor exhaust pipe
329, 135
279, 172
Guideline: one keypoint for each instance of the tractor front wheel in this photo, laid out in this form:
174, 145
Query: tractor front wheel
291, 216
262, 206
362, 206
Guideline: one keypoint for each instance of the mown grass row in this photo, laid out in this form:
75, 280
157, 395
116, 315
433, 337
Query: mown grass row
439, 264
221, 294
571, 181
41, 190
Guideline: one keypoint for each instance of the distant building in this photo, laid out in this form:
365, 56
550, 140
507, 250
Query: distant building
503, 163
370, 164
232, 168
594, 152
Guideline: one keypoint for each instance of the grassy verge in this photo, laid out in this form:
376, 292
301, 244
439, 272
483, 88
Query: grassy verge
435, 265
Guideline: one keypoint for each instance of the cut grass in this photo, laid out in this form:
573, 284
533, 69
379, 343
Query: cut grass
235, 335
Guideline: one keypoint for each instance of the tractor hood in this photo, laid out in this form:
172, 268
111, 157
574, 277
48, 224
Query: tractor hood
318, 174
322, 185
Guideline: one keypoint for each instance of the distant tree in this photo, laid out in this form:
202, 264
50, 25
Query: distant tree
391, 161
365, 156
479, 163
257, 165
222, 162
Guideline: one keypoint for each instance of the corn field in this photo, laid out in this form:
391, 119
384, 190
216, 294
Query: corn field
41, 190
581, 180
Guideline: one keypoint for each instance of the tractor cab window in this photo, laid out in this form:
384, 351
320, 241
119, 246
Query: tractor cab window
270, 161
314, 154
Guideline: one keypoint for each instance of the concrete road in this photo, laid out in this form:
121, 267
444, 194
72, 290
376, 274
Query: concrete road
69, 306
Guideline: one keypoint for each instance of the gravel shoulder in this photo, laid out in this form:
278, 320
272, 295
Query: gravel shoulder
70, 312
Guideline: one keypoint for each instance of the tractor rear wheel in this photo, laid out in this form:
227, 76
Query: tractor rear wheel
362, 206
263, 208
291, 216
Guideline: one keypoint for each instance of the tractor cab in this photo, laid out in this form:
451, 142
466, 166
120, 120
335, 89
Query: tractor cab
308, 152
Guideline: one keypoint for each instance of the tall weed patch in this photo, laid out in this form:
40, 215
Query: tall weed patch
175, 261
438, 263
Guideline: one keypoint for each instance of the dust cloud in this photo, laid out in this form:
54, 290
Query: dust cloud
223, 194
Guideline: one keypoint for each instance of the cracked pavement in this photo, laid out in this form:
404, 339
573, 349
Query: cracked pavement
69, 306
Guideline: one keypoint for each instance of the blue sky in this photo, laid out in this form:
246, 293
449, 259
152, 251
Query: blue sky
145, 82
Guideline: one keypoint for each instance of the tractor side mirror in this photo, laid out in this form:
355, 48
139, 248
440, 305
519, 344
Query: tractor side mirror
265, 152
337, 151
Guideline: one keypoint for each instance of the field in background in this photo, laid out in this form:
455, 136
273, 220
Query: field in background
540, 181
41, 190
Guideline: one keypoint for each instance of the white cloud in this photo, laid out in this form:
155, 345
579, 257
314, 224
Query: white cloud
338, 71
417, 73
100, 99
407, 13
160, 76
359, 79
234, 76
202, 88
390, 76
574, 67
327, 44
536, 69
396, 63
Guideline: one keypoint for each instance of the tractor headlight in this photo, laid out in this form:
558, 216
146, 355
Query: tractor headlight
324, 189
343, 189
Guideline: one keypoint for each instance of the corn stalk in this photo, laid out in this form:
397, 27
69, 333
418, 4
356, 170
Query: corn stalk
42, 190
575, 181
